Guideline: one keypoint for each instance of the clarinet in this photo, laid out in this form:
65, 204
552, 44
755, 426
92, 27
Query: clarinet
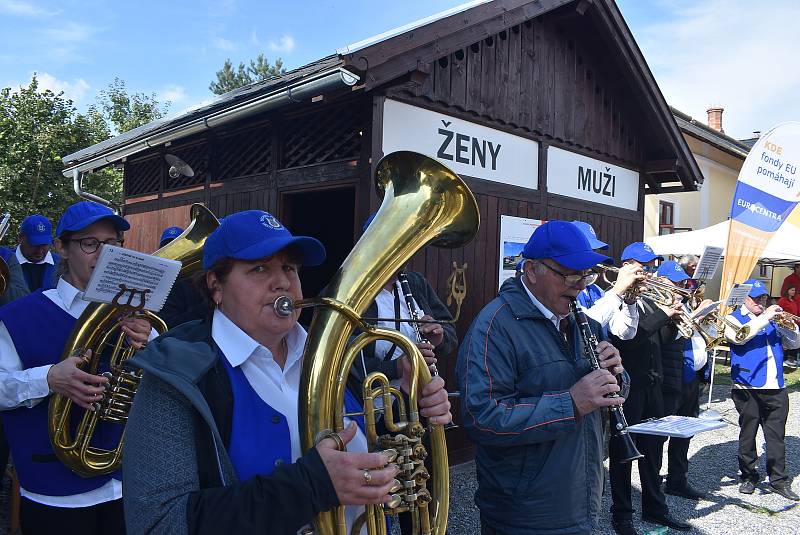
414, 312
619, 426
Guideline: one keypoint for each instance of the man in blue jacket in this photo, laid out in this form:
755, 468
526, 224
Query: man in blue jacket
758, 392
530, 399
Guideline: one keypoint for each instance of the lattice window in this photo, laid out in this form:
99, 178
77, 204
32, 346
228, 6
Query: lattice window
196, 155
322, 137
244, 153
143, 176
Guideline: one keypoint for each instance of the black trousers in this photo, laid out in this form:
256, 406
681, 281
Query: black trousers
100, 519
770, 409
685, 403
644, 401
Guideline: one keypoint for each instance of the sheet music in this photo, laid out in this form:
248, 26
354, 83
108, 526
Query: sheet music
676, 426
117, 266
708, 309
737, 295
708, 263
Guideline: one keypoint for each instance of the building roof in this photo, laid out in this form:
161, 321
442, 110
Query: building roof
716, 138
391, 55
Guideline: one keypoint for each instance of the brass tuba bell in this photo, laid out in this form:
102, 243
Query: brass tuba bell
423, 203
97, 329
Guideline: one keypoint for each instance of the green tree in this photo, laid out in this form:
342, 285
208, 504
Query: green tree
126, 111
37, 128
259, 69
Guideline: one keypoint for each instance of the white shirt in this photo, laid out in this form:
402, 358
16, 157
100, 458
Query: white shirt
276, 386
26, 388
385, 303
48, 259
554, 318
789, 338
622, 319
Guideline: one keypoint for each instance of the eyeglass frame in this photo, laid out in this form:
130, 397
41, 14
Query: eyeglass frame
116, 242
588, 278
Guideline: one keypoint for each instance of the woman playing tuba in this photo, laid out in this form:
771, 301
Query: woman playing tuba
220, 399
33, 332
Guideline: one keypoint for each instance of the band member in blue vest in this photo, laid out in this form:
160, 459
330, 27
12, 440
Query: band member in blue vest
212, 444
33, 331
33, 254
614, 310
185, 302
758, 392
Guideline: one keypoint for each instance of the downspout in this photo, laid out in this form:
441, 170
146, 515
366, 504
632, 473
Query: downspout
77, 178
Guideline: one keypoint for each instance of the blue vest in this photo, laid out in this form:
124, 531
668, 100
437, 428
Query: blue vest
749, 360
49, 278
39, 328
688, 362
260, 440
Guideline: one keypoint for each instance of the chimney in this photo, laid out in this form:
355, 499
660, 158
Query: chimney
715, 118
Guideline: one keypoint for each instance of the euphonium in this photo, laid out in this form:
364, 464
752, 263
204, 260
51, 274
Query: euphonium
97, 329
423, 203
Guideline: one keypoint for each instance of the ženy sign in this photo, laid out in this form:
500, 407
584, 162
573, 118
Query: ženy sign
465, 147
581, 177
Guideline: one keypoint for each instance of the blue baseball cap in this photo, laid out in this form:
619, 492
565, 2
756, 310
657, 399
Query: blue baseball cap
170, 233
563, 242
673, 271
82, 214
255, 234
639, 251
590, 234
37, 230
758, 288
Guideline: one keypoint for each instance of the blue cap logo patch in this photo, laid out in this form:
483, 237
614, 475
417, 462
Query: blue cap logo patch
269, 220
647, 248
40, 227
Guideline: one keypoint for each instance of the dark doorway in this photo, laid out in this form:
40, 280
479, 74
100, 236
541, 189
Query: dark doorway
327, 215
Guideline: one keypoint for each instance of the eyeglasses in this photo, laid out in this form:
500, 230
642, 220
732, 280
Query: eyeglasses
91, 245
650, 269
573, 280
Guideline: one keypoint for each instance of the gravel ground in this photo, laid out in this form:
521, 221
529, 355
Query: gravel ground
712, 468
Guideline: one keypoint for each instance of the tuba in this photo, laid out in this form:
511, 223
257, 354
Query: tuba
423, 203
98, 329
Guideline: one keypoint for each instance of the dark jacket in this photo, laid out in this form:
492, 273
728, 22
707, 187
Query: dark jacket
177, 472
429, 302
184, 303
641, 355
672, 358
539, 467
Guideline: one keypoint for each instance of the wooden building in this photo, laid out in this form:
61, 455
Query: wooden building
529, 100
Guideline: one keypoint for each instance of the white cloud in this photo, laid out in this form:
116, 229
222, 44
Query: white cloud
254, 40
223, 44
284, 44
173, 93
21, 8
68, 32
739, 54
75, 90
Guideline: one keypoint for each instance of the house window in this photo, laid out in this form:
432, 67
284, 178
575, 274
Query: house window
666, 217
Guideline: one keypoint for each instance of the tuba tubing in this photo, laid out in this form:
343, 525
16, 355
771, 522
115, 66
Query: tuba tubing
424, 203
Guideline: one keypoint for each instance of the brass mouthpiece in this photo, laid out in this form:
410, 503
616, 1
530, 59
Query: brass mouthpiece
283, 306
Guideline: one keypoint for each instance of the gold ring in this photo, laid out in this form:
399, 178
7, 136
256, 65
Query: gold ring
327, 433
367, 477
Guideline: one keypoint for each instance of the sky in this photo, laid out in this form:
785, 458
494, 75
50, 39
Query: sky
738, 54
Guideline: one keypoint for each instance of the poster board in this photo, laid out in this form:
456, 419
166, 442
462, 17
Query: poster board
514, 234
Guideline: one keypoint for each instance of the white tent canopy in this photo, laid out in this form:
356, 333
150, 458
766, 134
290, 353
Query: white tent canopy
783, 248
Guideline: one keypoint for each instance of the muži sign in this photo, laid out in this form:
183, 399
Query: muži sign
581, 177
463, 146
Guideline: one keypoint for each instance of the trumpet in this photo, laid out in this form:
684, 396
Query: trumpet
786, 320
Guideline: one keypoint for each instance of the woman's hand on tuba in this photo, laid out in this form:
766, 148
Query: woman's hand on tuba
67, 379
137, 331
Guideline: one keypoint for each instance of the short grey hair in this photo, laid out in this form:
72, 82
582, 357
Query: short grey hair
688, 259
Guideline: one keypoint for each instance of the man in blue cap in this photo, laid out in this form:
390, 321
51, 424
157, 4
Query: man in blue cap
683, 360
33, 254
642, 358
758, 390
185, 302
33, 333
530, 400
169, 234
613, 310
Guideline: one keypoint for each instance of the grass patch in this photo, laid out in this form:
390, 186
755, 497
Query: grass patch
791, 376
